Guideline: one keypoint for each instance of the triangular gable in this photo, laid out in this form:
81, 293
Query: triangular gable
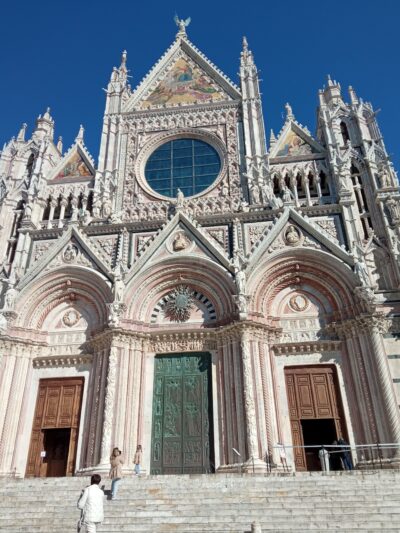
76, 164
180, 224
315, 232
294, 141
74, 237
183, 76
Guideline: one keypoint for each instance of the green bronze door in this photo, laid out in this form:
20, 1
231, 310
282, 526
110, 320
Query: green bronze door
182, 415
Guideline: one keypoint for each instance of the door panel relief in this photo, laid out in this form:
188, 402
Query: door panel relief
55, 426
313, 394
181, 435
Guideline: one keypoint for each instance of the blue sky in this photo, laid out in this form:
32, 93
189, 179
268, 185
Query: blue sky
60, 54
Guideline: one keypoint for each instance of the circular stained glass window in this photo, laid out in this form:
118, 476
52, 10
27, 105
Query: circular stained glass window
186, 164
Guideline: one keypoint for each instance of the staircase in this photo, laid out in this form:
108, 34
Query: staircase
356, 501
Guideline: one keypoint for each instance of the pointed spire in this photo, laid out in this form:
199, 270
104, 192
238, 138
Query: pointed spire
289, 112
79, 137
21, 134
246, 55
353, 96
44, 125
332, 91
123, 60
272, 138
60, 144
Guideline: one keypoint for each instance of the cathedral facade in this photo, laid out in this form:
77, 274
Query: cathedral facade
197, 291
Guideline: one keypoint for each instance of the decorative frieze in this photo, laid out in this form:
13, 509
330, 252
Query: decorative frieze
68, 361
182, 342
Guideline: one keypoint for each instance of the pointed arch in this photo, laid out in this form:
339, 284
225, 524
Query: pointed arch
71, 283
208, 279
333, 280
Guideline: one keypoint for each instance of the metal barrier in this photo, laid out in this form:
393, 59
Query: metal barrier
361, 456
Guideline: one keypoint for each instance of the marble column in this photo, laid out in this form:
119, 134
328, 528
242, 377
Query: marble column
249, 404
391, 409
109, 406
13, 412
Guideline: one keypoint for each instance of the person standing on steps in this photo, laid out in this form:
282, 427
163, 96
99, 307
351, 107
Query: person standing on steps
138, 459
91, 505
324, 459
116, 462
345, 454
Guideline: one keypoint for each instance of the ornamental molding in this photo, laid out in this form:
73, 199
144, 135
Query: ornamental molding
299, 348
362, 323
182, 222
69, 361
72, 246
182, 342
117, 337
277, 237
159, 139
180, 304
180, 47
199, 112
254, 331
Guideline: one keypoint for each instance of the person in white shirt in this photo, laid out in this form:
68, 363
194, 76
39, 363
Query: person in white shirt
91, 505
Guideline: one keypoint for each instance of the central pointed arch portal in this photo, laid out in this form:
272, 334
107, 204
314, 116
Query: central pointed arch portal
182, 426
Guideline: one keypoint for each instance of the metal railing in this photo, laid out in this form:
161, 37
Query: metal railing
349, 456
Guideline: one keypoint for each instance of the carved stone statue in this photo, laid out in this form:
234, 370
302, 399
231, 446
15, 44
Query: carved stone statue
182, 24
361, 270
9, 298
106, 211
3, 323
241, 302
180, 242
384, 179
240, 278
394, 210
115, 310
70, 253
119, 285
292, 235
287, 196
269, 197
255, 194
180, 199
86, 217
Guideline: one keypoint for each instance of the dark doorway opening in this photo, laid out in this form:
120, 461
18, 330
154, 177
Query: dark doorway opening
317, 432
56, 446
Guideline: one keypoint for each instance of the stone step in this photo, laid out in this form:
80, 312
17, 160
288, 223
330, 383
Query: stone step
211, 504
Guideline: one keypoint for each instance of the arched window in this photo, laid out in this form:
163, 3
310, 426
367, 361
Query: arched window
14, 235
57, 210
46, 212
301, 193
345, 133
324, 184
29, 165
89, 205
276, 185
361, 199
68, 208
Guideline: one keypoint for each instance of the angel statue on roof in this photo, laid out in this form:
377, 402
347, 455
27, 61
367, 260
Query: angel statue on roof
182, 24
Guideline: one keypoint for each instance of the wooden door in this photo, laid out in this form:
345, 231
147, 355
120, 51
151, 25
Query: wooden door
313, 394
182, 415
58, 406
